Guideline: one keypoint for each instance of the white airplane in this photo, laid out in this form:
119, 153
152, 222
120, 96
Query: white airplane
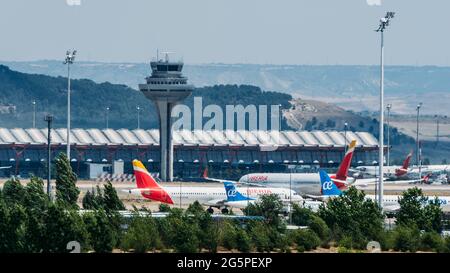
390, 202
303, 183
391, 172
238, 200
213, 197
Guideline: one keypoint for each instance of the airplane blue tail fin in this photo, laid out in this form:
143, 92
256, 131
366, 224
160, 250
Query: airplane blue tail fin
328, 187
233, 194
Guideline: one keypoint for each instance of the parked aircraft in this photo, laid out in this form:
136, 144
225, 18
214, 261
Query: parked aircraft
211, 196
303, 183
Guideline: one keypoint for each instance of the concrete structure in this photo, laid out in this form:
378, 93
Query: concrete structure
166, 87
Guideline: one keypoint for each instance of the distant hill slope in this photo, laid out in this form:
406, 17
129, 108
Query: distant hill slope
352, 87
90, 99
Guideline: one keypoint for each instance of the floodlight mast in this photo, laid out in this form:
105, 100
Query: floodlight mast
384, 22
70, 58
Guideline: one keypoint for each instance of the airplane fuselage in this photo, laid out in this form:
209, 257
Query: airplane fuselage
303, 183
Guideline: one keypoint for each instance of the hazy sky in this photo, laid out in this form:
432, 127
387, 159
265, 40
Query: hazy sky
228, 31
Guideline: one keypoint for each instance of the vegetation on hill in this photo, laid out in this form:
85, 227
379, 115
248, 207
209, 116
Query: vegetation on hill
90, 100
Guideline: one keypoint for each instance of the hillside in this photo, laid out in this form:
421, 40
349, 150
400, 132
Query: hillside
352, 87
90, 99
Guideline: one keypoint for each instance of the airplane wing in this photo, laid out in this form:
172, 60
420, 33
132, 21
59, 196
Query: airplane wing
141, 190
217, 203
317, 197
218, 180
391, 208
234, 182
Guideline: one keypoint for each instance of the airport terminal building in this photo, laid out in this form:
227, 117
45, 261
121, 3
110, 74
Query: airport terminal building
226, 154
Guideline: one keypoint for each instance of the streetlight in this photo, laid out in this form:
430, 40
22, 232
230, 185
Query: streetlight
138, 117
437, 127
388, 107
107, 117
345, 137
418, 152
49, 119
70, 58
384, 22
34, 113
281, 117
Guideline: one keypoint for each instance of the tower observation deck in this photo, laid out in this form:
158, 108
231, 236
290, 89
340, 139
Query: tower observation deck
166, 87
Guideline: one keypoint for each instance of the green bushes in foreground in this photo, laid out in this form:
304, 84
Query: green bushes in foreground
31, 222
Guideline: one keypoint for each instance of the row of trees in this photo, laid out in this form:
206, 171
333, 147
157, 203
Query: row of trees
351, 221
31, 222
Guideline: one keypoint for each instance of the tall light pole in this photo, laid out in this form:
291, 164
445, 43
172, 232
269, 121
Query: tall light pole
418, 152
49, 119
345, 137
388, 161
107, 117
34, 113
138, 117
384, 22
70, 58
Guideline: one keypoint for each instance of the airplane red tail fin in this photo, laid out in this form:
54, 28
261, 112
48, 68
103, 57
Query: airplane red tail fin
144, 179
342, 172
406, 162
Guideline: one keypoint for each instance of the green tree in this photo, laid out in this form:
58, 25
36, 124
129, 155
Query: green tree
306, 239
301, 216
101, 234
270, 207
260, 235
406, 238
208, 232
66, 189
12, 228
243, 241
351, 214
13, 192
416, 209
110, 198
432, 241
35, 197
142, 235
319, 226
164, 207
36, 202
181, 232
228, 234
62, 226
88, 201
195, 208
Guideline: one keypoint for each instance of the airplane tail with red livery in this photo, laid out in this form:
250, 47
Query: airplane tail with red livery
406, 162
147, 185
340, 178
342, 172
404, 169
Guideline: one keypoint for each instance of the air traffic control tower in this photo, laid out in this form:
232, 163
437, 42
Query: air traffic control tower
166, 87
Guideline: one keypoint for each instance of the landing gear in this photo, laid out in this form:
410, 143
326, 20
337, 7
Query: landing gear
224, 211
210, 210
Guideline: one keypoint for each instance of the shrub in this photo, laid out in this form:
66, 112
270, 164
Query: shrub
319, 226
406, 238
142, 235
306, 239
432, 241
243, 241
228, 235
